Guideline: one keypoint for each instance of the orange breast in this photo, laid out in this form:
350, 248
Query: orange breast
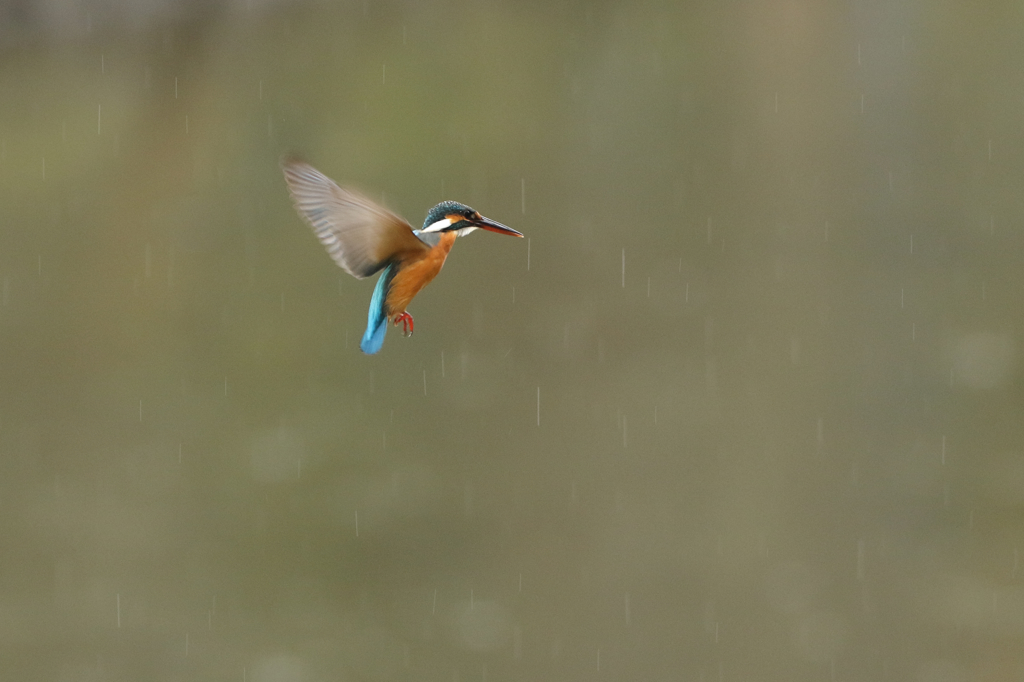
415, 275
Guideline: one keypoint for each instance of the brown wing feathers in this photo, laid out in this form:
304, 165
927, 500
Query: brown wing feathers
358, 234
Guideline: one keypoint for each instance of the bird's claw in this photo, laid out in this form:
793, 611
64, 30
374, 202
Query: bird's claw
406, 320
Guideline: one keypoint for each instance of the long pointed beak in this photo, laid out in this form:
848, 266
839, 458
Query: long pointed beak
494, 226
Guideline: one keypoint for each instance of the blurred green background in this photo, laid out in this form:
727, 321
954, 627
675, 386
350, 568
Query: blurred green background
746, 405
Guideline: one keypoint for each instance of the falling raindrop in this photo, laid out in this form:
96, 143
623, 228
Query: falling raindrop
468, 493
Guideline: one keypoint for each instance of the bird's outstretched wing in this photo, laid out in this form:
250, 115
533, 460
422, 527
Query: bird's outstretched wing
360, 236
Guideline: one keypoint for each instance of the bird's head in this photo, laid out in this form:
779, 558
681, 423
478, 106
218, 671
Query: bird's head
451, 216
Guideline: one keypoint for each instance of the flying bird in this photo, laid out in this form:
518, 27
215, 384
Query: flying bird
364, 238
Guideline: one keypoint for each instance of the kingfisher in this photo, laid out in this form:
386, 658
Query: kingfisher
364, 238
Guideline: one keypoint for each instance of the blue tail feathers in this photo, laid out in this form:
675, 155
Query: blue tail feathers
377, 319
373, 339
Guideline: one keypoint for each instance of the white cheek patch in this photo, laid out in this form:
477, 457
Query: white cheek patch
438, 226
464, 231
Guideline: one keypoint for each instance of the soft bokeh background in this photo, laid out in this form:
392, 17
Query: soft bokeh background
746, 405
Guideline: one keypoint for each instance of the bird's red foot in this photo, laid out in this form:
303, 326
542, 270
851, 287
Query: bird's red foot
406, 320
